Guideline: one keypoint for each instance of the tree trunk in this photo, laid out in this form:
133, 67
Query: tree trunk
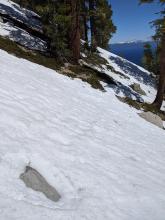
85, 25
75, 29
161, 86
92, 24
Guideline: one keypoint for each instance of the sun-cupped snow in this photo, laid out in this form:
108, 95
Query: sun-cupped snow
106, 162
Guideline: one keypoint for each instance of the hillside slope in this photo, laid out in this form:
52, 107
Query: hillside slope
105, 161
25, 28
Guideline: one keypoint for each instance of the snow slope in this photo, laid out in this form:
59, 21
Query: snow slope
106, 161
22, 37
125, 75
25, 16
14, 32
131, 74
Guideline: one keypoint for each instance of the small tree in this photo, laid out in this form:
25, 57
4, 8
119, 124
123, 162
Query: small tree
148, 58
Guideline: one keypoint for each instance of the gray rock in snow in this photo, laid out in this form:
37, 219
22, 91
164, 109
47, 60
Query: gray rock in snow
34, 180
136, 87
152, 118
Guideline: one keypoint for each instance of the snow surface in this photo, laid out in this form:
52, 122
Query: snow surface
8, 29
131, 73
21, 14
22, 37
105, 161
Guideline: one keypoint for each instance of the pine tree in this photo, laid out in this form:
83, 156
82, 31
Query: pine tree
104, 25
65, 22
101, 24
151, 59
75, 29
160, 35
56, 19
161, 86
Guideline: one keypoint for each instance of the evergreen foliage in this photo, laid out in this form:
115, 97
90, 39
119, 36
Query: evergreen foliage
150, 59
67, 21
104, 25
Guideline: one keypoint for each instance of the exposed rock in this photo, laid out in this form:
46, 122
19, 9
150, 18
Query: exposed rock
65, 70
83, 76
152, 118
136, 87
34, 180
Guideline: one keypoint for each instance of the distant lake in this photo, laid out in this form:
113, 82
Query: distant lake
131, 51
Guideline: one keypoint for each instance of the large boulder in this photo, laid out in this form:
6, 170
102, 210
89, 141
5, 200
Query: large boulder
152, 118
34, 180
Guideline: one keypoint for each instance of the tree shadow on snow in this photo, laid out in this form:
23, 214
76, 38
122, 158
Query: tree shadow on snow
23, 15
27, 40
134, 71
126, 91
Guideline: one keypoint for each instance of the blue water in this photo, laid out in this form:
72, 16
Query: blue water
130, 51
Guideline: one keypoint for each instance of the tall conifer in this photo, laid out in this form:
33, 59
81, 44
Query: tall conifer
160, 35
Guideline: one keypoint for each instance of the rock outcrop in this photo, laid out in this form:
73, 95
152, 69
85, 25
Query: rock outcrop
152, 118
